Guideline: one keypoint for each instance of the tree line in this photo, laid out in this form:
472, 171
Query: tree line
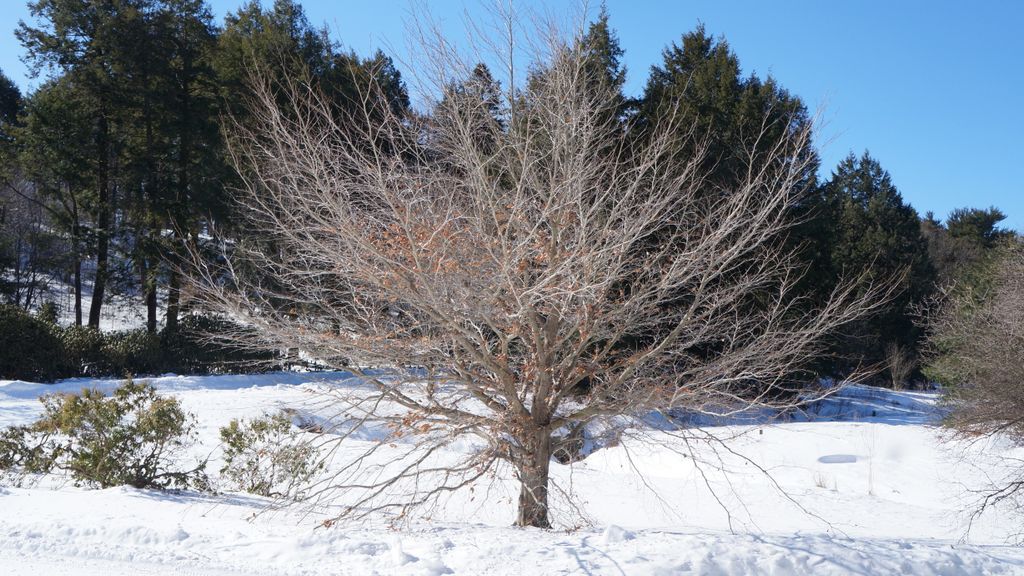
117, 160
117, 163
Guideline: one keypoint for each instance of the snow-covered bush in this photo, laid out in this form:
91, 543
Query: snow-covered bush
133, 437
267, 456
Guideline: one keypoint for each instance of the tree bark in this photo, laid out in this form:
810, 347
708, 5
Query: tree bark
173, 296
78, 289
103, 225
149, 283
533, 476
179, 213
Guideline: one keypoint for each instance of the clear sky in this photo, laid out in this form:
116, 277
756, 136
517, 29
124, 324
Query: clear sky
932, 88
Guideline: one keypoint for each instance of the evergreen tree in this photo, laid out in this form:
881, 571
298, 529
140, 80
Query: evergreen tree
199, 171
278, 42
977, 226
604, 66
699, 86
736, 122
875, 231
479, 103
92, 44
56, 155
10, 105
966, 239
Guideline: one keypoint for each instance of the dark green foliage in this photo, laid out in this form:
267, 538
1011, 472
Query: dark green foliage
736, 121
266, 456
29, 348
48, 312
276, 41
279, 43
35, 348
132, 437
977, 226
83, 351
874, 232
10, 107
964, 242
604, 66
132, 352
201, 344
89, 352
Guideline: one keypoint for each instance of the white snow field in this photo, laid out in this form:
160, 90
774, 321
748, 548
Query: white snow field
862, 484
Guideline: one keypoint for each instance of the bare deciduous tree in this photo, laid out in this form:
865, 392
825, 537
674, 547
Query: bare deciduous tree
977, 343
512, 280
976, 347
900, 363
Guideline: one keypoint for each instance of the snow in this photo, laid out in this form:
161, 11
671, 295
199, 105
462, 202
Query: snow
860, 483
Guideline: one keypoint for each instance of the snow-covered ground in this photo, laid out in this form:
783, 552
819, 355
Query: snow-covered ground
860, 484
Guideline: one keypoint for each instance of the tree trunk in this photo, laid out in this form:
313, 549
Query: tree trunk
150, 199
78, 288
103, 226
533, 476
173, 295
149, 284
76, 247
179, 213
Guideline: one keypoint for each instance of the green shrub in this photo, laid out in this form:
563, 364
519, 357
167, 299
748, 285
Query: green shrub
193, 347
132, 352
266, 456
29, 348
133, 437
83, 351
49, 312
20, 451
36, 348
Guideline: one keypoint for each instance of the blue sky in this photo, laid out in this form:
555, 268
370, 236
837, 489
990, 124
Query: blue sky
933, 89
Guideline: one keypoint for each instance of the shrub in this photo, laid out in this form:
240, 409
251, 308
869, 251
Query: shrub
132, 437
83, 350
49, 312
266, 456
20, 451
193, 347
29, 348
132, 352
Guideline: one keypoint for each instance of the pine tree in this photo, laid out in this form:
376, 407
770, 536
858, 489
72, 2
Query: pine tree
967, 239
277, 42
479, 102
875, 231
10, 105
91, 43
736, 122
604, 66
199, 172
977, 226
56, 154
699, 85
